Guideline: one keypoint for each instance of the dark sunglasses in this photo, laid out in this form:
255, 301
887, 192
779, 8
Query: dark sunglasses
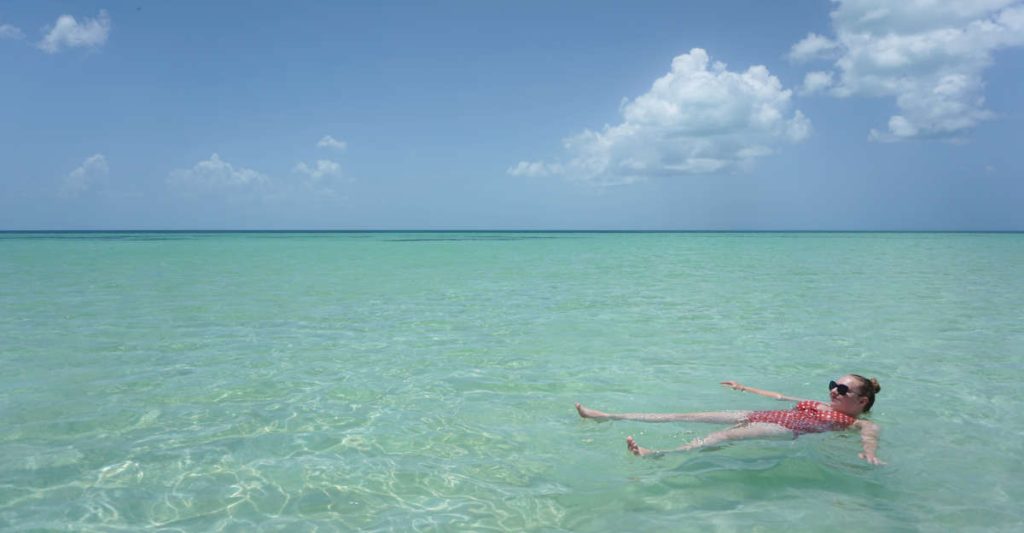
841, 389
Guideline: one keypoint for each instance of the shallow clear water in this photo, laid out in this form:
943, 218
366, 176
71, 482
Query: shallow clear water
427, 380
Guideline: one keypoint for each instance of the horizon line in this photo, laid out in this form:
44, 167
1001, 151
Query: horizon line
506, 230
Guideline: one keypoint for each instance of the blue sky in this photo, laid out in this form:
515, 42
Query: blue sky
849, 115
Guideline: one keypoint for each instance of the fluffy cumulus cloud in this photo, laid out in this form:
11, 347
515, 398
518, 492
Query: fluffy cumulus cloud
216, 174
322, 178
93, 170
928, 54
816, 81
10, 32
699, 118
813, 46
322, 169
330, 142
68, 32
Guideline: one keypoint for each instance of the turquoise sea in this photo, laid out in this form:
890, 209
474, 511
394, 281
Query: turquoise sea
426, 381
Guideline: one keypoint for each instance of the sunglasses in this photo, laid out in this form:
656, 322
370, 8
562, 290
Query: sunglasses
841, 389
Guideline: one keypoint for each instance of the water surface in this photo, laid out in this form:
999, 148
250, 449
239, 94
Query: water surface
340, 381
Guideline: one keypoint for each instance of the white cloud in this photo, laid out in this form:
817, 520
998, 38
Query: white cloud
322, 169
330, 142
535, 169
322, 178
816, 81
10, 32
68, 32
85, 177
694, 120
927, 54
813, 46
217, 174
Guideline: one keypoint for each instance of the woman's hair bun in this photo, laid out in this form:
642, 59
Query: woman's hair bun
875, 385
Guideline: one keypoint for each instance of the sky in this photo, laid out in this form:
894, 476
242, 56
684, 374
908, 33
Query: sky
470, 115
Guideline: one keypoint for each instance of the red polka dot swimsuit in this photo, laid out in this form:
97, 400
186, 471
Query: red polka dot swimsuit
805, 418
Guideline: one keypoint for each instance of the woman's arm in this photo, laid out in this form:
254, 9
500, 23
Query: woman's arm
736, 386
869, 440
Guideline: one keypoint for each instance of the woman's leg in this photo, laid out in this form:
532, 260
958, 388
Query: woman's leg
744, 432
718, 417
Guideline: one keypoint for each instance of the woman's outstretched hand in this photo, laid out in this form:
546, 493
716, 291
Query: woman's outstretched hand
871, 458
733, 385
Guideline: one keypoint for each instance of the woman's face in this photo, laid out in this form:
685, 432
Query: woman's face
852, 402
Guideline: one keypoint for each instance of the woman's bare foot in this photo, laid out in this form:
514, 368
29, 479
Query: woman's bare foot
590, 413
637, 450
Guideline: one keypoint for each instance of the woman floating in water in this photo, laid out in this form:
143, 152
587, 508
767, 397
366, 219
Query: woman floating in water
851, 396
